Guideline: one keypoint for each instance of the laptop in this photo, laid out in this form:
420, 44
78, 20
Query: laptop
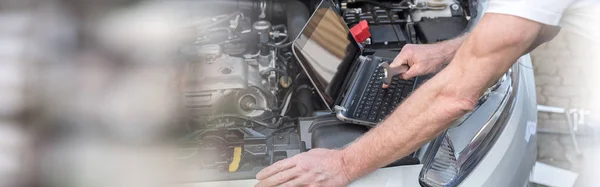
349, 83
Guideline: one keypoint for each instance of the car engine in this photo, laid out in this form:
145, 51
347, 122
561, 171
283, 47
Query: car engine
237, 86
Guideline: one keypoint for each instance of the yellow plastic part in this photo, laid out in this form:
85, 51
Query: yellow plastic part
237, 157
285, 81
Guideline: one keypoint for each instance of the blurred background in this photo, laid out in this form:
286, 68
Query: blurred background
86, 92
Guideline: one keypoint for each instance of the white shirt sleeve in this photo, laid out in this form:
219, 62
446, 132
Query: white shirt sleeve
543, 11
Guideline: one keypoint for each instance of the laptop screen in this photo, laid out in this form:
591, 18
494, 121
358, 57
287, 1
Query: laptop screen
326, 50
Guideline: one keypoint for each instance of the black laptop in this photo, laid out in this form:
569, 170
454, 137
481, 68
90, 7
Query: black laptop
348, 82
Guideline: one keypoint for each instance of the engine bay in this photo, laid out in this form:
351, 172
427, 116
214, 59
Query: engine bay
247, 102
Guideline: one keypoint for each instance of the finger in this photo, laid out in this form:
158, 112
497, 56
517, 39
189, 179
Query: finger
403, 57
281, 177
279, 166
384, 86
400, 60
408, 75
412, 72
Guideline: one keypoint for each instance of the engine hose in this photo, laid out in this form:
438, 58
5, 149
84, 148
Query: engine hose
284, 28
286, 100
269, 70
297, 15
282, 45
304, 96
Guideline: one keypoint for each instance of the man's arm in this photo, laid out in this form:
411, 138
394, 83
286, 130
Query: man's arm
429, 58
488, 52
426, 58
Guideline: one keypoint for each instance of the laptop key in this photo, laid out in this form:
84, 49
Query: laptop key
371, 118
389, 94
405, 92
364, 114
374, 111
398, 93
383, 112
384, 109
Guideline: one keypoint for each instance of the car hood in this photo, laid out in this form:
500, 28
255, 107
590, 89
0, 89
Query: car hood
399, 176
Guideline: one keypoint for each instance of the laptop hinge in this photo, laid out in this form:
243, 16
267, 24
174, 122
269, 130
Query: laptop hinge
338, 108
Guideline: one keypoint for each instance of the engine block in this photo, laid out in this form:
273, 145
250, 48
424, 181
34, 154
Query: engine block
216, 84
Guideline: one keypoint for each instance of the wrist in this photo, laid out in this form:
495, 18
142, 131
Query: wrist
348, 167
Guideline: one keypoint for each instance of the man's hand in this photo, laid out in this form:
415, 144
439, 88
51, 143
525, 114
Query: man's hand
424, 59
317, 167
421, 58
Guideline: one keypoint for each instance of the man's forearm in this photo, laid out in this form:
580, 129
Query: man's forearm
420, 118
545, 34
451, 46
487, 53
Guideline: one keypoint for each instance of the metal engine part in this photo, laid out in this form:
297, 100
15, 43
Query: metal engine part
448, 8
232, 87
217, 83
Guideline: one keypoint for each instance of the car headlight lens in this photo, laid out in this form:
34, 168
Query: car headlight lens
454, 154
443, 167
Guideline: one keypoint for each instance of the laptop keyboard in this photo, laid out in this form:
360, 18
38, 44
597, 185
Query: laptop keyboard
376, 102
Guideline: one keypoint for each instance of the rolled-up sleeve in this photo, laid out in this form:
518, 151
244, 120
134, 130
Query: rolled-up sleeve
543, 11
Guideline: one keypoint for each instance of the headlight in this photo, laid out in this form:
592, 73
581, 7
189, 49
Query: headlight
455, 153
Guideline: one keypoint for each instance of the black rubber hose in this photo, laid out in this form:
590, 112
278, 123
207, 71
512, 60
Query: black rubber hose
297, 15
304, 96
